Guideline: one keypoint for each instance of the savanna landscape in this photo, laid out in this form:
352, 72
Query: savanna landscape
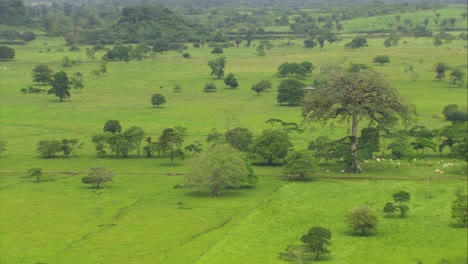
233, 132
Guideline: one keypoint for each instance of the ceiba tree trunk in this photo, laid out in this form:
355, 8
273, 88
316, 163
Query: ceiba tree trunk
353, 165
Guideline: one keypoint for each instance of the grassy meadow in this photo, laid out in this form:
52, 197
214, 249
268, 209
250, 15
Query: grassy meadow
141, 218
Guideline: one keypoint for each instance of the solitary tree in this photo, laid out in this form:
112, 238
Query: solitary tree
60, 86
362, 219
231, 81
291, 92
261, 86
217, 66
355, 96
42, 74
112, 126
317, 240
440, 69
381, 59
217, 50
401, 198
218, 167
36, 173
6, 53
158, 99
210, 87
98, 176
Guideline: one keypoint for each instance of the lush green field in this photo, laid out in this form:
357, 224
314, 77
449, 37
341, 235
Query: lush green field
142, 218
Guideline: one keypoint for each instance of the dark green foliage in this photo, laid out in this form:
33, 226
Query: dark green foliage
460, 208
214, 137
353, 96
239, 138
98, 176
13, 12
291, 92
210, 87
36, 173
309, 43
119, 52
381, 59
323, 148
177, 88
217, 66
362, 219
401, 146
357, 42
6, 53
135, 135
42, 74
171, 141
217, 50
452, 112
291, 69
231, 81
317, 240
421, 31
272, 145
422, 139
457, 77
194, 147
218, 167
112, 126
299, 165
121, 144
28, 36
440, 69
158, 99
389, 208
261, 86
48, 148
74, 48
392, 40
69, 146
357, 67
369, 142
186, 55
401, 198
154, 23
60, 86
77, 80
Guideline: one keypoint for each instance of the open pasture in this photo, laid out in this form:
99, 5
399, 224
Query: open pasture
142, 218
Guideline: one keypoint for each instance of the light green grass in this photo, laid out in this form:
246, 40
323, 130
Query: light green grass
387, 22
137, 218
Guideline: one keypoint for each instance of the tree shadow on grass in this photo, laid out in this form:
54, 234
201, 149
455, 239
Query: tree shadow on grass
225, 193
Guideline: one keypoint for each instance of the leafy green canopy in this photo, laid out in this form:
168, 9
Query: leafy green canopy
139, 23
218, 167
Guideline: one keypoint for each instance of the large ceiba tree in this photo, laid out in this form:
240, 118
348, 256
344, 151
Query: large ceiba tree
355, 96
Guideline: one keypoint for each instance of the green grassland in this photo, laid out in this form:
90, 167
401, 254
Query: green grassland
142, 218
387, 22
